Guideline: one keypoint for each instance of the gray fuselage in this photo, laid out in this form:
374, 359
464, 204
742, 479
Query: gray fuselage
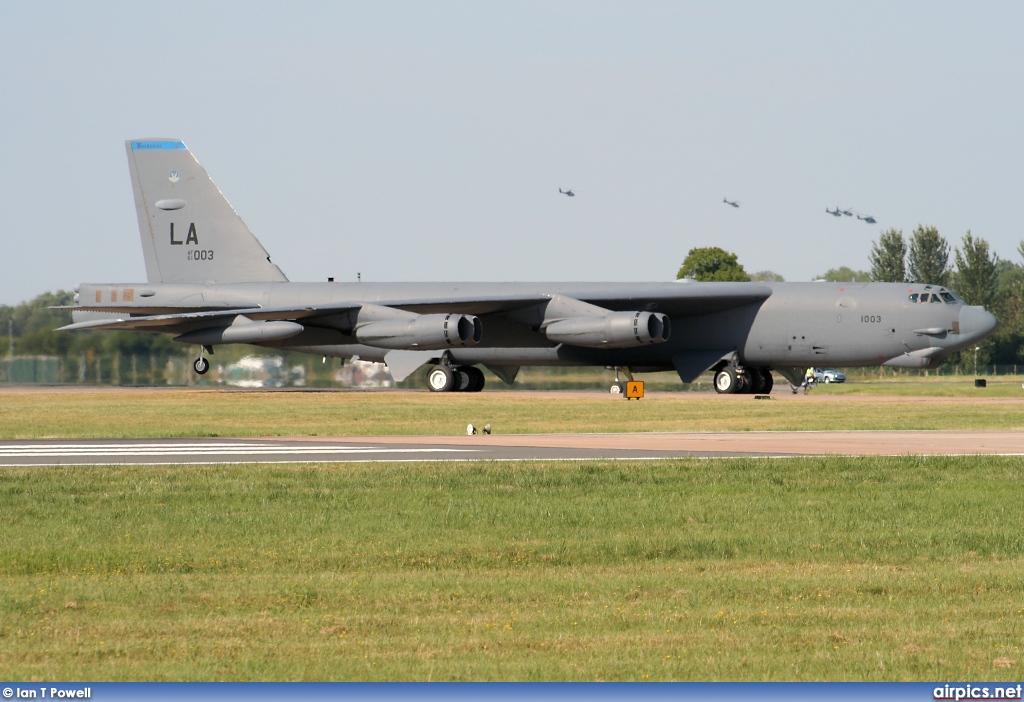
784, 324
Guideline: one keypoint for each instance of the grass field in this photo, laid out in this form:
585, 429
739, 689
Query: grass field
198, 413
798, 569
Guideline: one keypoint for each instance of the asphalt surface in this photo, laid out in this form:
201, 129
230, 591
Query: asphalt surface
508, 447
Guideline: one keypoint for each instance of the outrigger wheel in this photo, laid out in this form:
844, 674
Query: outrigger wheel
201, 365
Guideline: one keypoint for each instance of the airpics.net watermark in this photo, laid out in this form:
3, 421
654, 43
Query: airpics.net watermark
47, 693
977, 692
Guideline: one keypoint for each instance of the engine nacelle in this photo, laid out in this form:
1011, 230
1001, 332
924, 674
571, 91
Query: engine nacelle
613, 330
425, 331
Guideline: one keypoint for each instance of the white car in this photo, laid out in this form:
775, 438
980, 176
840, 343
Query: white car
829, 375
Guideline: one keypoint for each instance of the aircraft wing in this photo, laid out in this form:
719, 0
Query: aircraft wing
683, 299
680, 299
158, 322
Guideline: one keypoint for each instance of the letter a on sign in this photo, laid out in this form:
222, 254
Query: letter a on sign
634, 389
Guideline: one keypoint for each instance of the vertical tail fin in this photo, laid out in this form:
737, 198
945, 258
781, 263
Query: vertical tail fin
190, 232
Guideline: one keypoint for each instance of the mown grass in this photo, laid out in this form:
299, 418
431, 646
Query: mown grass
926, 387
756, 569
198, 413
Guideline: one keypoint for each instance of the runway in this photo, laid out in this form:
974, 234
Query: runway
520, 447
219, 451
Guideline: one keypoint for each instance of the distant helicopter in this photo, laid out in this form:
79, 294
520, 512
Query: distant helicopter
834, 213
848, 212
730, 202
869, 219
568, 192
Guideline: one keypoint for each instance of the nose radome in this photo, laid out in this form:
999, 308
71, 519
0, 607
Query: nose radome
977, 322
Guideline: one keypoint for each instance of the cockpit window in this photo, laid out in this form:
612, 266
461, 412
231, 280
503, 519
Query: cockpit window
950, 298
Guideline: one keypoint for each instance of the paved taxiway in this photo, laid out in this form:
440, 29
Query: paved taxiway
507, 447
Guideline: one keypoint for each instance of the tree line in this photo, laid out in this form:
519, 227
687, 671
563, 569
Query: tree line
28, 330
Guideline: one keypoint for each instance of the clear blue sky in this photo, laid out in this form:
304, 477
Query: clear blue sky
427, 141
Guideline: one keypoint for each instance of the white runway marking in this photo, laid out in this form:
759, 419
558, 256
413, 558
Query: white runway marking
186, 449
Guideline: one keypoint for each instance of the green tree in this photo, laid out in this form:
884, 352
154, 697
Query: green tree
928, 257
977, 275
887, 258
712, 264
34, 324
844, 274
1008, 307
767, 277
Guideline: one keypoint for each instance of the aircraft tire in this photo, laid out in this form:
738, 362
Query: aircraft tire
476, 379
755, 380
200, 366
727, 381
441, 378
463, 381
769, 382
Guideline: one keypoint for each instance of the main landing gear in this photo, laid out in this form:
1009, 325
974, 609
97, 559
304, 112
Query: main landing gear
739, 380
201, 365
442, 378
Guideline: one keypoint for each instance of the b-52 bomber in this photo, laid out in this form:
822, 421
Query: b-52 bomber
210, 282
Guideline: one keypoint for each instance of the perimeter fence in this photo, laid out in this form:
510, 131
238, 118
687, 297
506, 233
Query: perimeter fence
301, 370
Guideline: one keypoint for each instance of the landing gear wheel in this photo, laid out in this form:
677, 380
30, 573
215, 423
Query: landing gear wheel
727, 382
462, 380
441, 379
476, 379
201, 366
756, 378
745, 383
769, 382
617, 389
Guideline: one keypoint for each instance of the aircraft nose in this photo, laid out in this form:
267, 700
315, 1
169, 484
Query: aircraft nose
977, 322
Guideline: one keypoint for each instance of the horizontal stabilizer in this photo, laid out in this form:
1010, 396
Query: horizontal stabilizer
155, 322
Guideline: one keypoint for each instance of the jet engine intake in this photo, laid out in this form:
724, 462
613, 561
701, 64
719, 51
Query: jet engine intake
613, 330
425, 331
